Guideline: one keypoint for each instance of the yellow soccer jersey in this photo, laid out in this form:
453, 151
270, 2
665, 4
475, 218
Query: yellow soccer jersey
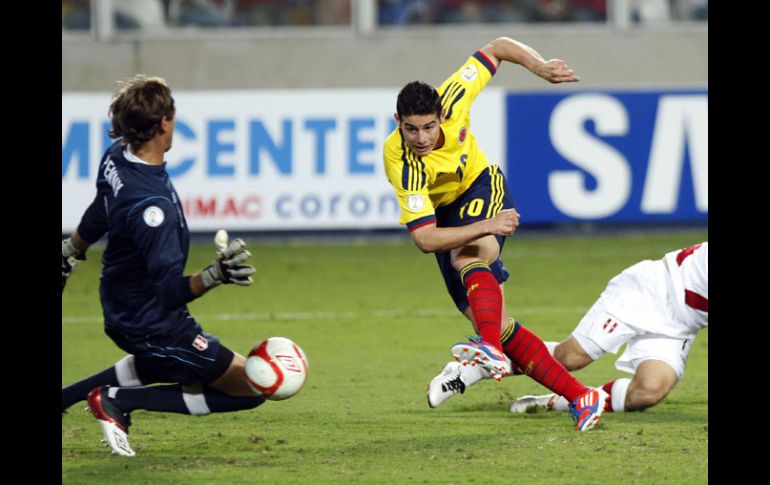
424, 183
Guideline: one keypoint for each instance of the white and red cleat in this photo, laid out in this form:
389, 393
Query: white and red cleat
113, 421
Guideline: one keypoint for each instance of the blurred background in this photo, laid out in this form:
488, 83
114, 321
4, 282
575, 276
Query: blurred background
283, 106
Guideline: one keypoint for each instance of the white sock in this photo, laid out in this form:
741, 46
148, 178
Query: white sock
195, 400
125, 369
550, 346
618, 394
560, 404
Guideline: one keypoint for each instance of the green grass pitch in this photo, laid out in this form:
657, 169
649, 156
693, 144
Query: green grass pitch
377, 324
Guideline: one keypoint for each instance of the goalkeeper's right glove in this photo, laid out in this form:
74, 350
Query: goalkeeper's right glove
229, 267
70, 259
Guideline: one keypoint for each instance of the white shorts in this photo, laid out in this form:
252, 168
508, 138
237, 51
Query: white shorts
600, 332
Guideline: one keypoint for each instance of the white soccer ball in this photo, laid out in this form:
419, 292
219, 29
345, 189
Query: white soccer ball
276, 368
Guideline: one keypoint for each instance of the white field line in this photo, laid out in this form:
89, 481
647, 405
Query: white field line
348, 315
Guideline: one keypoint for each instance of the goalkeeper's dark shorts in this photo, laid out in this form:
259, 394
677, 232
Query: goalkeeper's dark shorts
188, 356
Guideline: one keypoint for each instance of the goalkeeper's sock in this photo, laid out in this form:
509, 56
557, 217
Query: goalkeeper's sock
528, 351
122, 374
486, 301
175, 398
617, 390
78, 391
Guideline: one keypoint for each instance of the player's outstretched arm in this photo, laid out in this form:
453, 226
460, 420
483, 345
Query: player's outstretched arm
506, 49
229, 266
431, 239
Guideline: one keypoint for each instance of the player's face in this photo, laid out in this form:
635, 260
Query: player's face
421, 132
168, 126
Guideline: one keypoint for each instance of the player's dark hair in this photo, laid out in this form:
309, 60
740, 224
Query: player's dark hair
418, 98
138, 108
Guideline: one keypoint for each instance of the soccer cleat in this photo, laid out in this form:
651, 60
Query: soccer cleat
113, 421
496, 363
587, 408
527, 403
445, 385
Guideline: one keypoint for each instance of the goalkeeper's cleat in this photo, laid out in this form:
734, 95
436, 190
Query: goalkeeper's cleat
445, 385
587, 408
496, 363
113, 421
530, 403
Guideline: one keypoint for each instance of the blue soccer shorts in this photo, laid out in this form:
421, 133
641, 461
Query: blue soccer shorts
187, 356
488, 195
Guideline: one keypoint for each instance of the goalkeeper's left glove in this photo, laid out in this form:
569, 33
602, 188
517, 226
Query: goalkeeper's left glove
229, 267
70, 259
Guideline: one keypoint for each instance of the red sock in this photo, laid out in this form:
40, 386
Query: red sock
529, 352
486, 301
608, 389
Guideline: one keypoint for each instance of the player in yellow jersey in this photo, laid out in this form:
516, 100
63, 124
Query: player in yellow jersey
458, 206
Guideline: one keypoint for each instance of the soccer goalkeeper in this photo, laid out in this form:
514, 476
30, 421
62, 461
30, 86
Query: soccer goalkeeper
143, 290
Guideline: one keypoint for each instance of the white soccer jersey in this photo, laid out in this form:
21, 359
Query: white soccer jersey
667, 297
689, 271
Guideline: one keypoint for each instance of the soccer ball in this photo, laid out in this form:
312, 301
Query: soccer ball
276, 368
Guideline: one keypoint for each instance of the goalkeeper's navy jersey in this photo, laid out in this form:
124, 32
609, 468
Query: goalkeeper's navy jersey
143, 289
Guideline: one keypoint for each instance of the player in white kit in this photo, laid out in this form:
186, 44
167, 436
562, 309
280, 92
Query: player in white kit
656, 307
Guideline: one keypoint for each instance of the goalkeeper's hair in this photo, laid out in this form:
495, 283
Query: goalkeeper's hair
138, 107
418, 98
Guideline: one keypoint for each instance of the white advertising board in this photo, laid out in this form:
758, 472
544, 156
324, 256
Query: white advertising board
267, 160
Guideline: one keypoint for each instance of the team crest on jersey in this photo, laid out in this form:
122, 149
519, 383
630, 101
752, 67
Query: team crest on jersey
200, 343
461, 137
469, 73
153, 216
415, 202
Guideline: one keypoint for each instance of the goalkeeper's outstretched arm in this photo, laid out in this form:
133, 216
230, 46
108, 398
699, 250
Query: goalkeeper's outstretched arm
229, 267
73, 252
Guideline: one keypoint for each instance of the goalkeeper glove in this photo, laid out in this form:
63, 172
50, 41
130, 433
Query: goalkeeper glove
229, 266
70, 259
